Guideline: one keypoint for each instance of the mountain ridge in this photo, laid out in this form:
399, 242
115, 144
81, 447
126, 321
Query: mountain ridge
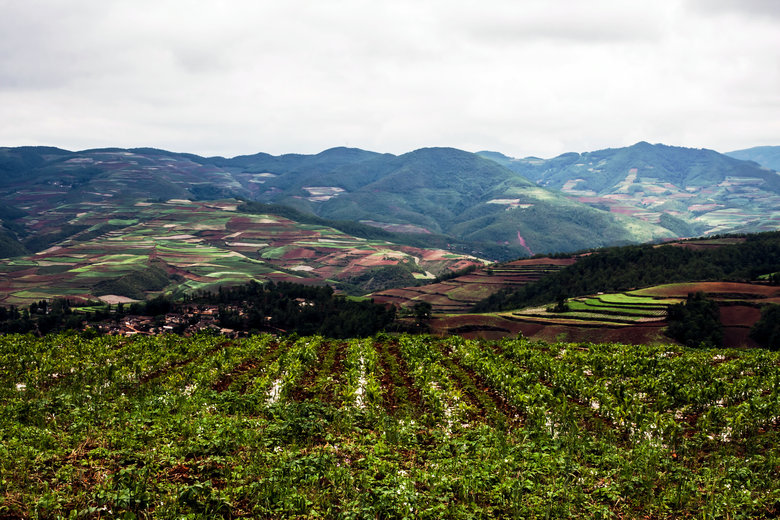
510, 207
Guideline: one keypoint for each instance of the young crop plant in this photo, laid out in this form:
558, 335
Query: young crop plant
433, 379
282, 375
362, 387
307, 427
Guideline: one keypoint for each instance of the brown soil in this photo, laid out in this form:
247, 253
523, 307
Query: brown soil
739, 315
413, 394
715, 289
227, 379
507, 413
304, 389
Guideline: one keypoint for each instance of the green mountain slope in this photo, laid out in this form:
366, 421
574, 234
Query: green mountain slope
118, 251
688, 191
469, 203
449, 191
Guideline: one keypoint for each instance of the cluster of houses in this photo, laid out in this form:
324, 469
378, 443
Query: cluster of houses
187, 320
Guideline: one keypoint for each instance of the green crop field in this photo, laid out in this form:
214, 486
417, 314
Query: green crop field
594, 306
385, 427
194, 240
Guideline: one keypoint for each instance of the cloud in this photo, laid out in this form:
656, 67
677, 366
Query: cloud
526, 78
769, 8
569, 22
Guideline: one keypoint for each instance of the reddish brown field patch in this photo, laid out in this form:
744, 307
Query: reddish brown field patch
739, 315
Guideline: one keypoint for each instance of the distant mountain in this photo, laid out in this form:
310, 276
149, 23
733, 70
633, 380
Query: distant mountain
449, 191
112, 173
486, 204
688, 191
767, 156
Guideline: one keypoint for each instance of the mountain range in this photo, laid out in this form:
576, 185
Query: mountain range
86, 204
500, 206
688, 191
768, 156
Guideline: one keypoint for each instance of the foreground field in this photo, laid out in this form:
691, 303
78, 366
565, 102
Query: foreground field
388, 427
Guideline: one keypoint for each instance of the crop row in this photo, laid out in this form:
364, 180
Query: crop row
391, 426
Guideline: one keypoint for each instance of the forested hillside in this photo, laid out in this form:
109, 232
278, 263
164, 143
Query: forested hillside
623, 268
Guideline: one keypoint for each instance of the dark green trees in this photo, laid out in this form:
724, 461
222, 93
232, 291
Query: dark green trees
696, 322
766, 331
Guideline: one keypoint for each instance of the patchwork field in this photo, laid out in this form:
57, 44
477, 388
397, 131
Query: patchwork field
385, 427
200, 246
634, 317
459, 294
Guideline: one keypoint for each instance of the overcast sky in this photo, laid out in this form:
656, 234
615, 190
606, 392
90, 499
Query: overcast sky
520, 77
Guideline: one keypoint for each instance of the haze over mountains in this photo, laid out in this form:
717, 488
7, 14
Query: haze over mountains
499, 207
768, 156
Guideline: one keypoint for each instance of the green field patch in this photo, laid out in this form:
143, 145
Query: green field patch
636, 298
67, 260
594, 306
223, 274
597, 302
53, 269
122, 259
22, 262
32, 294
122, 222
101, 271
178, 247
274, 253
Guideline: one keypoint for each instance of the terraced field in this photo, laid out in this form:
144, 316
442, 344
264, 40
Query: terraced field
458, 295
635, 317
385, 427
201, 246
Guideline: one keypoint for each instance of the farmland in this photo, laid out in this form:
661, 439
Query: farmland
636, 316
198, 245
406, 426
459, 294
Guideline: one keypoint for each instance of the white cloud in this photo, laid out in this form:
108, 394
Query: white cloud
523, 78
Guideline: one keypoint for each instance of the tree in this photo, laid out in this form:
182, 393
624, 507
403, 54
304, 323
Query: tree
422, 313
766, 331
696, 322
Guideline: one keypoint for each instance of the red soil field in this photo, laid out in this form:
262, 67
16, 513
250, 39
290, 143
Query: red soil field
494, 327
299, 253
739, 315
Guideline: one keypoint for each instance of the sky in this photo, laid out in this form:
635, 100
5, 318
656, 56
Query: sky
525, 78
